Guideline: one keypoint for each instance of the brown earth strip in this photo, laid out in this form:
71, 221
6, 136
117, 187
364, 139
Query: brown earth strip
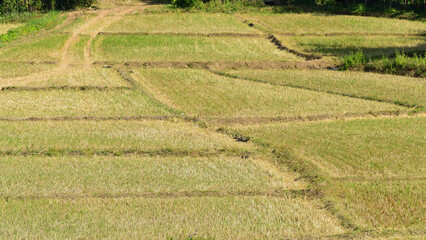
288, 34
51, 88
386, 234
313, 64
263, 120
281, 46
128, 152
373, 179
98, 118
286, 193
223, 34
398, 103
30, 62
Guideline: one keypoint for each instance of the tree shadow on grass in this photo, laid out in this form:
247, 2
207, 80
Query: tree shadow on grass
371, 52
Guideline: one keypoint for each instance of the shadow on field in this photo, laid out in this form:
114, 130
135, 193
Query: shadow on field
368, 51
156, 2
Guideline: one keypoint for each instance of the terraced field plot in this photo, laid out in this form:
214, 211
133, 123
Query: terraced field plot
371, 46
183, 48
160, 125
308, 23
135, 175
362, 147
75, 77
374, 167
205, 94
411, 91
115, 136
75, 103
45, 49
161, 218
180, 23
15, 69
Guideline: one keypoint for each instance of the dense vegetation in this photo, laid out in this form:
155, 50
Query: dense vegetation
13, 6
392, 8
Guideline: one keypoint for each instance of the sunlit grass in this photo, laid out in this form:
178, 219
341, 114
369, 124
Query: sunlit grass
369, 85
385, 147
113, 103
45, 49
91, 176
208, 217
381, 205
103, 77
318, 23
10, 69
118, 137
183, 48
4, 27
181, 23
202, 93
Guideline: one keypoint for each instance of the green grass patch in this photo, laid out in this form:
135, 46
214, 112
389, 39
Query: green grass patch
113, 137
323, 23
45, 22
76, 51
205, 94
181, 23
183, 48
382, 205
45, 49
101, 77
384, 147
91, 176
4, 27
115, 103
406, 90
401, 65
371, 46
207, 217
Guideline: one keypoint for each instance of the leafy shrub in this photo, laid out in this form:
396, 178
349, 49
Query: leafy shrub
402, 64
354, 60
358, 9
184, 3
13, 6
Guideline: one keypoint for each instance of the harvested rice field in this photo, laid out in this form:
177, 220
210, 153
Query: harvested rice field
137, 120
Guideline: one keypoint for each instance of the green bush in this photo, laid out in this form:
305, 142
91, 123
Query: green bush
402, 64
354, 60
358, 9
184, 3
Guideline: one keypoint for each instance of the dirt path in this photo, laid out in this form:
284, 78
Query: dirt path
65, 54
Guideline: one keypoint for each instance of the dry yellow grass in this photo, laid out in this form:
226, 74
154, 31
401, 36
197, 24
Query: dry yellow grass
129, 48
75, 76
108, 103
115, 176
369, 85
318, 23
119, 137
129, 218
181, 23
199, 92
382, 204
382, 147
